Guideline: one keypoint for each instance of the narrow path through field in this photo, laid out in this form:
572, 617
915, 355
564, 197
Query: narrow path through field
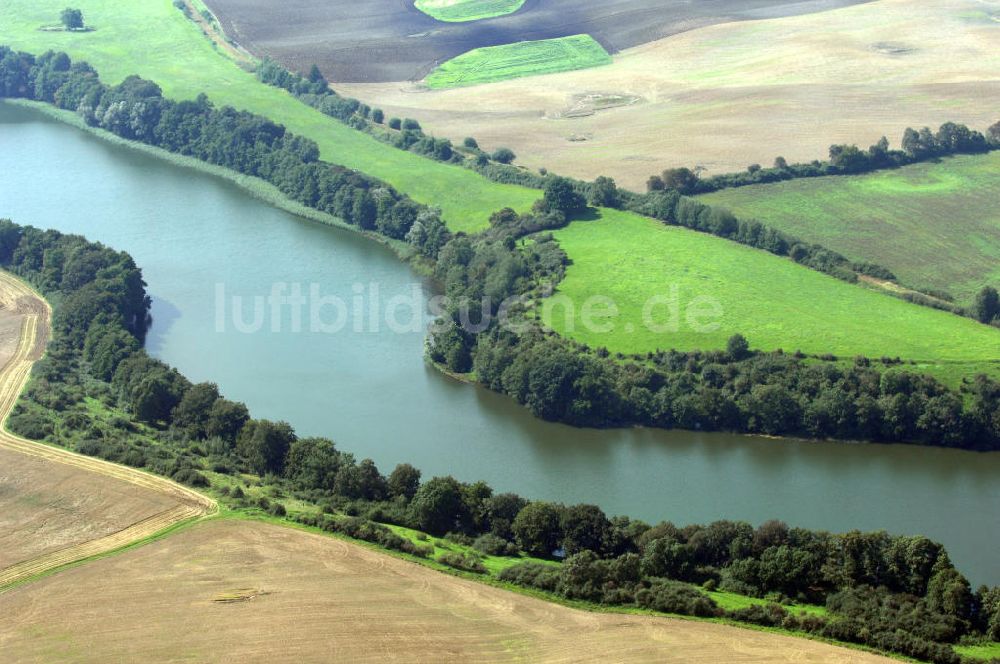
36, 315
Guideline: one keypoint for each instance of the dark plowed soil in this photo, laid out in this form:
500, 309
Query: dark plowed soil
390, 40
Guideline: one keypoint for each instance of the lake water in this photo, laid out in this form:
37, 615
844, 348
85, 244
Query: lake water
370, 390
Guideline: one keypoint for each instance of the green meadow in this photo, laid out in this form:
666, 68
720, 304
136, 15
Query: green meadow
986, 652
935, 225
527, 58
153, 39
774, 302
459, 11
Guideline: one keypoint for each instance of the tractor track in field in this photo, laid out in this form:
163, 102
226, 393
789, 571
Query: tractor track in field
36, 315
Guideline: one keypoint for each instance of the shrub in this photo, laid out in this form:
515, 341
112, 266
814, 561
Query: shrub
191, 477
467, 562
492, 545
674, 597
504, 155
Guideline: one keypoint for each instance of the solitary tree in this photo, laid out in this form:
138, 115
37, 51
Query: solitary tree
604, 193
737, 347
504, 155
993, 134
437, 506
987, 305
404, 481
264, 445
72, 19
561, 196
537, 529
683, 180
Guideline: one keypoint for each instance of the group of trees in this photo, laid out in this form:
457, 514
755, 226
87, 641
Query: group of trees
951, 138
135, 109
769, 393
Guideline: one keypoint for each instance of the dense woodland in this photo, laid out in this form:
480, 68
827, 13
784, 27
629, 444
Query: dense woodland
97, 391
732, 389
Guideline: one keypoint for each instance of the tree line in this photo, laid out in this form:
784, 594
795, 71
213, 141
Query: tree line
250, 144
402, 133
900, 594
951, 138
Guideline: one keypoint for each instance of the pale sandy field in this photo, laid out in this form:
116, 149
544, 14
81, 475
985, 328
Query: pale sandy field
297, 597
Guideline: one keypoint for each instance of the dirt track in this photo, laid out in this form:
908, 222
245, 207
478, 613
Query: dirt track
310, 598
390, 40
174, 503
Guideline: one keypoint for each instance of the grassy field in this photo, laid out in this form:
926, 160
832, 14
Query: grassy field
284, 595
987, 652
459, 11
774, 302
527, 58
936, 225
173, 52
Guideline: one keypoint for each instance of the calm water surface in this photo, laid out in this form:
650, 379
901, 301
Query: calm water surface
373, 394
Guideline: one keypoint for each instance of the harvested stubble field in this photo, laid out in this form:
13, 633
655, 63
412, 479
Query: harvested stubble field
57, 507
935, 225
391, 40
254, 592
727, 96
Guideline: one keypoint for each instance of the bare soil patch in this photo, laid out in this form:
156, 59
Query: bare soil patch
316, 599
727, 96
391, 40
